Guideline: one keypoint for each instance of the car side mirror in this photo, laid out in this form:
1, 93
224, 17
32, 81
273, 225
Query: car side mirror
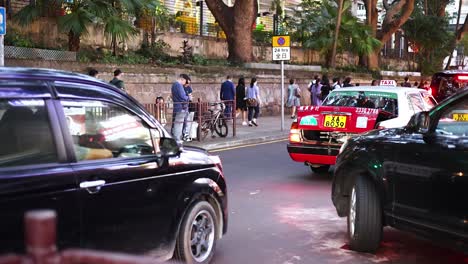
419, 123
169, 147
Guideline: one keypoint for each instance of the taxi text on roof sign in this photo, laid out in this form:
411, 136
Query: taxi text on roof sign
388, 83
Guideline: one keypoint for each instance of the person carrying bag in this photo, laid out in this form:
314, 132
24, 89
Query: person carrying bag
253, 102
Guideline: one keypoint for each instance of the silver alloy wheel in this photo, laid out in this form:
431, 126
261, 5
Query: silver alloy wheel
352, 212
202, 234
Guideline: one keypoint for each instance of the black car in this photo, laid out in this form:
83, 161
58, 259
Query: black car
413, 178
113, 174
446, 83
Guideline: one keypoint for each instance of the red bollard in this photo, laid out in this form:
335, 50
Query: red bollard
40, 237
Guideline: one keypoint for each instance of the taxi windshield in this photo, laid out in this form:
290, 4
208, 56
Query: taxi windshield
368, 99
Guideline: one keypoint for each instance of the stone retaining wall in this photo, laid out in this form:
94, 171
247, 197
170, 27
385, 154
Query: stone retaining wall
146, 82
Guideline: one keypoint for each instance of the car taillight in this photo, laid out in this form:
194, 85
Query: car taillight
294, 133
461, 78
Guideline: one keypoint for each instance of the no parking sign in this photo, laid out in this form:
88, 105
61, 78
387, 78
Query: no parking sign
281, 48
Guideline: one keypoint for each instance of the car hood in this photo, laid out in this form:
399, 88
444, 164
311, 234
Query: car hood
358, 120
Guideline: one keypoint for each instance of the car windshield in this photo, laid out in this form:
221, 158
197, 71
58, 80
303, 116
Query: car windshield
369, 99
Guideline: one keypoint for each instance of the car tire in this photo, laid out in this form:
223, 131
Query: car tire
364, 216
321, 169
198, 233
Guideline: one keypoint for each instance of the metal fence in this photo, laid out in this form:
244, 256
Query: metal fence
203, 118
13, 52
40, 238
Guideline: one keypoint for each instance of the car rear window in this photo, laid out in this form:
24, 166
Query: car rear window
378, 100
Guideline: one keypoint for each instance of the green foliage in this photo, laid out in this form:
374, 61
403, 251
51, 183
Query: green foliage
15, 38
82, 14
315, 24
262, 37
156, 53
430, 35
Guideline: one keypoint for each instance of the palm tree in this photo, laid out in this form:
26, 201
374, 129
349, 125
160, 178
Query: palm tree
319, 31
80, 14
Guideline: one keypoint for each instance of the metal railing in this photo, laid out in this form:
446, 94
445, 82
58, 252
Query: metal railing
207, 117
41, 248
13, 52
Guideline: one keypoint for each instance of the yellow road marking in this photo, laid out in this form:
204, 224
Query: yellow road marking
250, 145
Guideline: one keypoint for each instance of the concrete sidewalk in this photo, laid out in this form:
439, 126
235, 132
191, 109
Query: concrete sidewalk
269, 129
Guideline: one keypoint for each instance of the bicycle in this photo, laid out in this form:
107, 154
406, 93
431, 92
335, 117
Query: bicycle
214, 121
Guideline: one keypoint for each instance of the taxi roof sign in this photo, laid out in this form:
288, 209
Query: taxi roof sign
388, 83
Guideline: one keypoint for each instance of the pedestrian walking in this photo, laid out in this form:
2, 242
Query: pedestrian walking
180, 109
188, 121
241, 105
406, 83
117, 82
336, 83
326, 87
228, 93
294, 97
253, 102
93, 73
347, 82
316, 93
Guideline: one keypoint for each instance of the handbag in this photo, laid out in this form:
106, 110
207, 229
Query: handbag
251, 102
296, 93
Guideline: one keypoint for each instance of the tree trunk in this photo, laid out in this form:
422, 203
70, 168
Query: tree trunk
396, 15
454, 43
236, 22
73, 41
337, 33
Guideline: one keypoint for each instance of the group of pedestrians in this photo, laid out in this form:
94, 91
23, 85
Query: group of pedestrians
116, 81
319, 89
247, 98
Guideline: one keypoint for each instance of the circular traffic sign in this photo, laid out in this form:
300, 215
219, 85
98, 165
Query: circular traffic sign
281, 41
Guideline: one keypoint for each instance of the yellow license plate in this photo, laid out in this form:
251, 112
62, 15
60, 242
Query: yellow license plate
460, 117
334, 121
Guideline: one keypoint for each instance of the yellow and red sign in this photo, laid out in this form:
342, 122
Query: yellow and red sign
281, 41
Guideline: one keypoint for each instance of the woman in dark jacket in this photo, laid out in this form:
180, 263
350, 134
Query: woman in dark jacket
240, 100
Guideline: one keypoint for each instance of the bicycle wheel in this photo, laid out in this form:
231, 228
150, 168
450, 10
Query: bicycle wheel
221, 127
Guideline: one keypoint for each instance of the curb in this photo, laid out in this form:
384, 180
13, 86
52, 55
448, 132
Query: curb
217, 146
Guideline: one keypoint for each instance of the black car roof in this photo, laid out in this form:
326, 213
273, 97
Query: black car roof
43, 74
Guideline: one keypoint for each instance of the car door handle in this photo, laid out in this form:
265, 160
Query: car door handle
92, 186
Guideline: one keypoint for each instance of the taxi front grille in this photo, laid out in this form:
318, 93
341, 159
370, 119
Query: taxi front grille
325, 136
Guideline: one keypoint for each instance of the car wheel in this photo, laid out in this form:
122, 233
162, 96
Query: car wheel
364, 217
320, 169
198, 234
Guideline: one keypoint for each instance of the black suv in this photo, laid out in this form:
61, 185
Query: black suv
115, 177
446, 83
413, 178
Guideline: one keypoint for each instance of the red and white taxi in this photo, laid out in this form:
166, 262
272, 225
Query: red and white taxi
319, 131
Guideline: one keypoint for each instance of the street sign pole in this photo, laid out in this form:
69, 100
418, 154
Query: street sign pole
2, 34
281, 52
282, 95
2, 52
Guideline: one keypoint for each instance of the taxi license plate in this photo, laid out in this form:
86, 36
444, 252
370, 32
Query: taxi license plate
461, 117
334, 121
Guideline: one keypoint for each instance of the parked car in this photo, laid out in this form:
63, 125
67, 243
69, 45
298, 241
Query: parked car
317, 134
413, 178
113, 174
446, 83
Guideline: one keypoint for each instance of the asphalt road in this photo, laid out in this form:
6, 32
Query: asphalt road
282, 213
